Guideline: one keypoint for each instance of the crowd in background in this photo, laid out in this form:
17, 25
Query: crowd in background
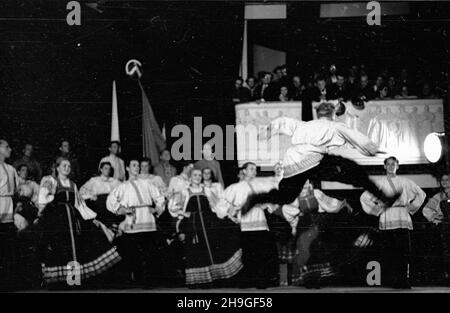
331, 84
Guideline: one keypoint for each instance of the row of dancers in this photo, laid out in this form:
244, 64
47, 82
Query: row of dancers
224, 233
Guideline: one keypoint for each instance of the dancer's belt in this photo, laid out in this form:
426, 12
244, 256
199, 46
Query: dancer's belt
134, 207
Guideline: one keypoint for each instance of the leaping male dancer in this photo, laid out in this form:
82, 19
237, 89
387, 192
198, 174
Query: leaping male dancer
310, 157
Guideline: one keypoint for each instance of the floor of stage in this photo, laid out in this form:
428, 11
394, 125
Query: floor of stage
269, 290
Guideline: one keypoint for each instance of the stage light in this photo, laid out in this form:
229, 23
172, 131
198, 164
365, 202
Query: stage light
433, 146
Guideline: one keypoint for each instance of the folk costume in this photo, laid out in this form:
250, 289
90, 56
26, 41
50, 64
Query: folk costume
141, 241
395, 225
212, 243
71, 233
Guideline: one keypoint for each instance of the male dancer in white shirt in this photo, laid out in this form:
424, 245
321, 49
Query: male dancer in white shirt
310, 157
395, 223
142, 204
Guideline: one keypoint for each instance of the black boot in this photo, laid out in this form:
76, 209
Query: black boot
255, 199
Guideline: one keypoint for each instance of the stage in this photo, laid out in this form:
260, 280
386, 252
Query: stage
289, 289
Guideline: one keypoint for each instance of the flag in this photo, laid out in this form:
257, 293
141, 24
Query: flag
243, 70
115, 136
152, 138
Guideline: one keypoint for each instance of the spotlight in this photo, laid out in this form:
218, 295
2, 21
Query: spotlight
433, 146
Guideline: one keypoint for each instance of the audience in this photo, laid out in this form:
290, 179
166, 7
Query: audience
332, 84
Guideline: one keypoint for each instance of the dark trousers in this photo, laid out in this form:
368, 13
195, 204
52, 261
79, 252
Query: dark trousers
331, 168
141, 254
7, 255
395, 257
260, 259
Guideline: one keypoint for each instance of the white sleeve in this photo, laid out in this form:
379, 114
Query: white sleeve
81, 206
87, 190
113, 201
369, 204
432, 210
418, 196
157, 198
177, 203
359, 141
46, 192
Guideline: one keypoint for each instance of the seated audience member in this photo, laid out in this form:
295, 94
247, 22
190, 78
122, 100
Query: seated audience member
296, 92
363, 90
285, 79
251, 86
332, 77
317, 93
378, 83
427, 92
339, 90
283, 97
404, 94
265, 89
393, 87
383, 93
240, 93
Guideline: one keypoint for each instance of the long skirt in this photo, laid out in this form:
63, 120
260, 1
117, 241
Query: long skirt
326, 251
73, 249
212, 248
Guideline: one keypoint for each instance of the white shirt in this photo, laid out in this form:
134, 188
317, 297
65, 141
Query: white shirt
399, 215
156, 181
236, 195
312, 139
8, 185
98, 185
136, 193
117, 164
178, 184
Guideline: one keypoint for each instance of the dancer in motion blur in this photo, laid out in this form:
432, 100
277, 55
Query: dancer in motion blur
310, 157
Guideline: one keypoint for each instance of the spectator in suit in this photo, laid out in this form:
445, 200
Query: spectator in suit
265, 90
240, 93
251, 86
393, 86
315, 94
378, 83
339, 90
364, 91
297, 90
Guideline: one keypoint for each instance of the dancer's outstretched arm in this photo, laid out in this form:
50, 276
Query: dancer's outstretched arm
358, 140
